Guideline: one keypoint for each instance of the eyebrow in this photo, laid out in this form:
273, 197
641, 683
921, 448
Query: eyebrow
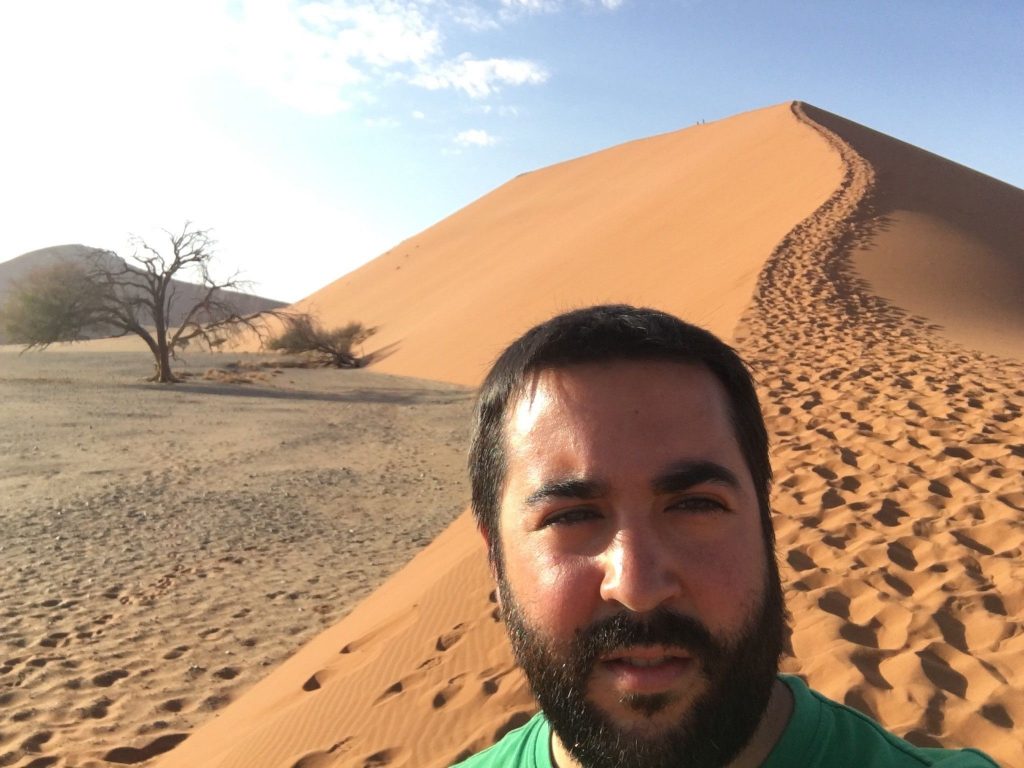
687, 474
566, 488
679, 477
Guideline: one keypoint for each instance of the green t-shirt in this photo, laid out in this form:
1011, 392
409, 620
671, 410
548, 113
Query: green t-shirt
820, 733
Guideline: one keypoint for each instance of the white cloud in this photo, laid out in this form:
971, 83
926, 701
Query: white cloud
475, 137
512, 9
532, 6
417, 115
379, 34
326, 56
474, 17
315, 57
481, 77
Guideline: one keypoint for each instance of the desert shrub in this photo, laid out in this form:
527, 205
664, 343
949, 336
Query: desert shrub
302, 334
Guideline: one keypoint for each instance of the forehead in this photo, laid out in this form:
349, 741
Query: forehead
600, 409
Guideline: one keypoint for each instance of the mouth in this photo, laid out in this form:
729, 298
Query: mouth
646, 669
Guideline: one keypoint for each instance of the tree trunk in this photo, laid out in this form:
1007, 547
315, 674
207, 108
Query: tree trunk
163, 366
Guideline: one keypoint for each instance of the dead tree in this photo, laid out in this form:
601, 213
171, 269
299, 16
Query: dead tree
110, 296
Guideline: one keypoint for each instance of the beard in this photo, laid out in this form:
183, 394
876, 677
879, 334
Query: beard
738, 673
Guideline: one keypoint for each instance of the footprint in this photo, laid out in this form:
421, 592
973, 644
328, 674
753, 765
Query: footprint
98, 709
226, 673
450, 638
36, 740
859, 634
53, 640
890, 513
997, 715
173, 705
941, 674
320, 758
836, 603
902, 556
312, 684
387, 629
447, 693
970, 543
392, 690
832, 499
800, 561
107, 679
383, 757
133, 755
176, 653
213, 703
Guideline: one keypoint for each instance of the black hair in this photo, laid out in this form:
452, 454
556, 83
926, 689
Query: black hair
597, 334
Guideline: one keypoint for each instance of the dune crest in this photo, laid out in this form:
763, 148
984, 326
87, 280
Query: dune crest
898, 456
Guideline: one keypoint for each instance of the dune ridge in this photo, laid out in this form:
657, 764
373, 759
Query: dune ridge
899, 516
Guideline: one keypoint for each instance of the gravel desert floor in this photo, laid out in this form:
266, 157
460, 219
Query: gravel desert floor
163, 547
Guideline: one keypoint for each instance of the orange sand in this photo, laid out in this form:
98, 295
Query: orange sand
682, 221
898, 450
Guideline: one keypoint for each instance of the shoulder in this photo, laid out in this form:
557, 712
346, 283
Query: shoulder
524, 747
823, 732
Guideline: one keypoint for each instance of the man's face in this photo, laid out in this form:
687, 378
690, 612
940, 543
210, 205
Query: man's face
635, 579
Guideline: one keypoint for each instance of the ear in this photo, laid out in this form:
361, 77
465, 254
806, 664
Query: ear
486, 536
490, 562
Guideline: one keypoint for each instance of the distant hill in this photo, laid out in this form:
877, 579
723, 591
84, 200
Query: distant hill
20, 267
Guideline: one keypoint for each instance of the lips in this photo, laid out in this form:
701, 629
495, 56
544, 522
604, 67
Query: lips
646, 669
645, 656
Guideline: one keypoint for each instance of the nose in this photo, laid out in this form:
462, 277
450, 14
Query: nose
641, 573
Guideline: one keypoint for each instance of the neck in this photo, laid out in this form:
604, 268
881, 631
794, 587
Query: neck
767, 734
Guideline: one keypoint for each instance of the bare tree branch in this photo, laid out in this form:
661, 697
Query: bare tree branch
113, 296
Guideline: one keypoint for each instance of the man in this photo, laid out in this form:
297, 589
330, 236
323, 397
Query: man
620, 478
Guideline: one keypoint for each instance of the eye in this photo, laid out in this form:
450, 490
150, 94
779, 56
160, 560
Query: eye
573, 516
697, 505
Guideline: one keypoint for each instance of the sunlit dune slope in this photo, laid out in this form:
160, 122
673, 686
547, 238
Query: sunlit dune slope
683, 221
947, 242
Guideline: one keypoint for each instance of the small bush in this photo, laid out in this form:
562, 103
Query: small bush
328, 347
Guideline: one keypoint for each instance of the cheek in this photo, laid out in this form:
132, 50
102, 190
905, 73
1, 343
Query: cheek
726, 581
556, 595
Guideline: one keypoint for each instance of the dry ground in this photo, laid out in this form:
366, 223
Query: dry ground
164, 546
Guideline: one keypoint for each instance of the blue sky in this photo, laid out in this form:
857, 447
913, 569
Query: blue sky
312, 136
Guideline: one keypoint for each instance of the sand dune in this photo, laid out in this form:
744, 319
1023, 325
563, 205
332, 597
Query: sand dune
898, 451
682, 221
